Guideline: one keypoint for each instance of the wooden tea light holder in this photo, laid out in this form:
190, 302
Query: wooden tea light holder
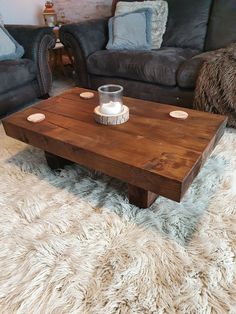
108, 118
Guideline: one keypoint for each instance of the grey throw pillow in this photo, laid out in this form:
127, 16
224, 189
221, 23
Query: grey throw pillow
9, 48
131, 31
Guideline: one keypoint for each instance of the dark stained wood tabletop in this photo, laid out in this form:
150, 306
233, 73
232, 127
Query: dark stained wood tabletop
153, 152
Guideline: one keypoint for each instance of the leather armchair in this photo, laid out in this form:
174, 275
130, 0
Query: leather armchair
29, 77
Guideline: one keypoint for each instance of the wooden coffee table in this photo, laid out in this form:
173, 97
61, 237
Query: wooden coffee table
153, 152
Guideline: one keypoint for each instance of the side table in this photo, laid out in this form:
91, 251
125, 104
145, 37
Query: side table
56, 57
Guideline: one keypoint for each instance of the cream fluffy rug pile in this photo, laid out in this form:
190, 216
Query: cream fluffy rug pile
71, 243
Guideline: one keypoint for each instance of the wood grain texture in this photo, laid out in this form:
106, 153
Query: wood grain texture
152, 151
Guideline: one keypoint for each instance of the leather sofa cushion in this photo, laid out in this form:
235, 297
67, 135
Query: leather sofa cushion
187, 23
156, 66
222, 25
188, 71
15, 73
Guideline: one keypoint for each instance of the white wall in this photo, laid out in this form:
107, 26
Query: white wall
22, 11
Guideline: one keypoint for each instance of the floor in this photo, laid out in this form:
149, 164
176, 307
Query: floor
62, 82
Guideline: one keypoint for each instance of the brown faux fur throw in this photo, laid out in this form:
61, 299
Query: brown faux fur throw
216, 84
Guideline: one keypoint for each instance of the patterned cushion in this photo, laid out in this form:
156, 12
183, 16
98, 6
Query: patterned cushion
159, 16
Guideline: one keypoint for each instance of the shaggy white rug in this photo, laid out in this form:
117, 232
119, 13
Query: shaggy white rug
71, 243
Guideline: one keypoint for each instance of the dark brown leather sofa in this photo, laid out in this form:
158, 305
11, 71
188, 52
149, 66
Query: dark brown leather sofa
167, 75
25, 79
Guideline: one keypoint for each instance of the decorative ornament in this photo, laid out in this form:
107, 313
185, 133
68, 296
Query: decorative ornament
49, 14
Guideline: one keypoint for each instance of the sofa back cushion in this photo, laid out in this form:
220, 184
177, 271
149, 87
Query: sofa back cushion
222, 24
187, 23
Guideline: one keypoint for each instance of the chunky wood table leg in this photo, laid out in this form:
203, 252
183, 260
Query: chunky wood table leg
56, 162
140, 197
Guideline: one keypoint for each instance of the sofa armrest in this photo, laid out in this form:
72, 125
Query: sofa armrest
31, 37
90, 35
208, 55
188, 71
36, 40
84, 38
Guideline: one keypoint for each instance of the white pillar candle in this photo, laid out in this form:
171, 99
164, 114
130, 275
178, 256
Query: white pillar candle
111, 108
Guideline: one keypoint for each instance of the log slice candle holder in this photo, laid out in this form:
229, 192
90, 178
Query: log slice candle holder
111, 119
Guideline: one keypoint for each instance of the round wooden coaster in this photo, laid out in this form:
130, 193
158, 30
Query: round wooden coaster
36, 117
86, 95
179, 114
111, 119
